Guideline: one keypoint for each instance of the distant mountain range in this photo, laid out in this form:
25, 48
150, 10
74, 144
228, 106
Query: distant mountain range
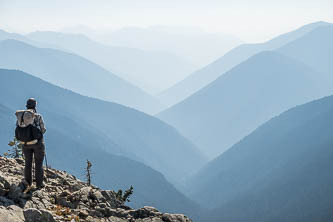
256, 90
235, 104
80, 127
197, 46
152, 71
75, 73
211, 72
261, 116
280, 172
314, 49
8, 35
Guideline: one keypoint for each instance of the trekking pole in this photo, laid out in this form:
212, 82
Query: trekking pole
47, 170
33, 169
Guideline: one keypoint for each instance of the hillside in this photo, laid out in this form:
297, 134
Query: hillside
6, 120
280, 172
202, 77
250, 94
314, 49
65, 198
75, 73
151, 70
102, 131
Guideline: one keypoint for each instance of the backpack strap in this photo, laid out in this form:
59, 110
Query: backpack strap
37, 121
22, 120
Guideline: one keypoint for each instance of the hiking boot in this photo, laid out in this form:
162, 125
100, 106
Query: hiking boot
24, 184
41, 186
28, 189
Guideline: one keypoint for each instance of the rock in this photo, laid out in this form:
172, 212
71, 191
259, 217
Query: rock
83, 213
65, 198
11, 214
174, 217
34, 215
19, 160
97, 195
109, 196
6, 202
15, 192
62, 201
47, 216
4, 186
145, 212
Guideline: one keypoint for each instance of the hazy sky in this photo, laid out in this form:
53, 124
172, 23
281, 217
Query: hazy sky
250, 20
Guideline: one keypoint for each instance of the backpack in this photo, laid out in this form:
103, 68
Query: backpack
26, 127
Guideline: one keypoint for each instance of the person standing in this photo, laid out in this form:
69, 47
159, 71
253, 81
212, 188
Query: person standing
30, 129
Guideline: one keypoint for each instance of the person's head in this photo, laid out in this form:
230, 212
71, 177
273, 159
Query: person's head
31, 103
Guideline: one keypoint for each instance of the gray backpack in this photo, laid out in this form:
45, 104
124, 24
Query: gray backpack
25, 117
26, 130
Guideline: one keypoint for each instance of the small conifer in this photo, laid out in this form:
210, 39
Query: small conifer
124, 197
16, 149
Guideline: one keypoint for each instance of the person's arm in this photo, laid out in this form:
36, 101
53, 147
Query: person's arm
42, 124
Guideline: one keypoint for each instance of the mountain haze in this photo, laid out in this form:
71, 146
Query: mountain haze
236, 103
211, 72
152, 71
314, 49
8, 35
245, 138
75, 73
133, 134
68, 150
280, 172
195, 45
74, 135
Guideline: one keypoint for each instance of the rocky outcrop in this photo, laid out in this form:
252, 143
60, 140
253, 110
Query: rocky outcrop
65, 198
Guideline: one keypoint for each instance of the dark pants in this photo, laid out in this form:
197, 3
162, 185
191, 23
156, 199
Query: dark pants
37, 151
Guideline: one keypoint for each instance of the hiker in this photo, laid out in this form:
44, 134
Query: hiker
29, 131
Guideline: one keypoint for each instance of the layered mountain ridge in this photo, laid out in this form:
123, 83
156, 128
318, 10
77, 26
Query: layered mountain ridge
280, 172
75, 73
151, 70
202, 77
250, 94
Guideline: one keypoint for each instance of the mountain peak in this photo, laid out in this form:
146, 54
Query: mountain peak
319, 23
65, 198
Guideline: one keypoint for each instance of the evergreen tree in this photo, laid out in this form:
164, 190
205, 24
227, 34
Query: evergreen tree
16, 149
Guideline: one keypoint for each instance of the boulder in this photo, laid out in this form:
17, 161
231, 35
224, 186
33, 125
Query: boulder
35, 215
11, 214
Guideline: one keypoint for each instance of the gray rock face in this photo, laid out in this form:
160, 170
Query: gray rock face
34, 215
11, 214
64, 198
